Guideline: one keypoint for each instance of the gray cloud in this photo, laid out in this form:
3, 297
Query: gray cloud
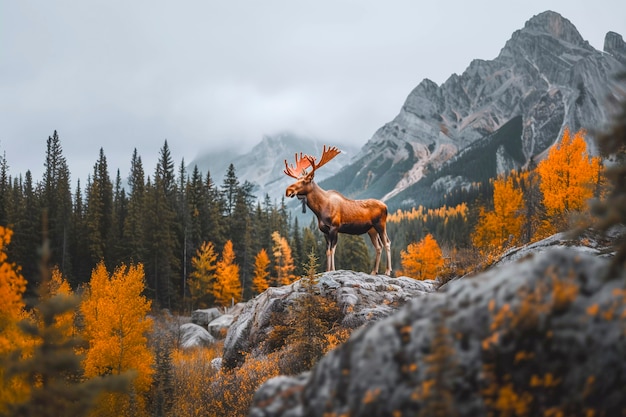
130, 74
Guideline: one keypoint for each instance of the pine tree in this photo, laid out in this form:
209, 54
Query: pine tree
99, 211
313, 240
50, 364
422, 260
82, 262
352, 254
213, 228
227, 288
27, 234
297, 245
161, 397
202, 276
310, 318
119, 245
230, 188
261, 272
241, 234
134, 222
197, 208
4, 191
164, 263
56, 199
184, 226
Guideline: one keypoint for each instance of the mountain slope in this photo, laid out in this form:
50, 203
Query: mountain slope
546, 74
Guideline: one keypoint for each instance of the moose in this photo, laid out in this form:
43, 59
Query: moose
336, 213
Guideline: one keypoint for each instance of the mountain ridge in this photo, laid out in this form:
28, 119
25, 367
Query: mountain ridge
546, 73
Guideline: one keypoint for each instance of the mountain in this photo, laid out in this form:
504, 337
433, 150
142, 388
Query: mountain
509, 109
263, 165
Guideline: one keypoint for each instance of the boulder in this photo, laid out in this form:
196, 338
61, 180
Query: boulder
219, 327
362, 298
541, 336
193, 335
205, 316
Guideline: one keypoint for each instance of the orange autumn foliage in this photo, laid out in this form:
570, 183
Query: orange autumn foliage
261, 273
58, 286
227, 288
424, 214
200, 389
12, 287
568, 176
501, 226
115, 320
283, 260
202, 276
422, 260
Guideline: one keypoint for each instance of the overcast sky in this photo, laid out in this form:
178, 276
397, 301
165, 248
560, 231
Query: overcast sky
206, 74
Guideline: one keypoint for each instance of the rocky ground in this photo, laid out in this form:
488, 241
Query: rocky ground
543, 333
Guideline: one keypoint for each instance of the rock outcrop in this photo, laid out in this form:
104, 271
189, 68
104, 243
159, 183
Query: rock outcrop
203, 317
543, 335
193, 335
362, 298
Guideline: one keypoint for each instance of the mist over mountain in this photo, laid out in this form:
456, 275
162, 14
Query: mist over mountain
263, 165
499, 113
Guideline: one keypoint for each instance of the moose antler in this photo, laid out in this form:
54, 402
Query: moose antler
327, 155
302, 163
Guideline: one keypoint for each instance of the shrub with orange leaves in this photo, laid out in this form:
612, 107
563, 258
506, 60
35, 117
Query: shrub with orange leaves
201, 389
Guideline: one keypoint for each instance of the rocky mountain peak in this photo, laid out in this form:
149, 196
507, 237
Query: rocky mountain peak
546, 78
614, 44
555, 25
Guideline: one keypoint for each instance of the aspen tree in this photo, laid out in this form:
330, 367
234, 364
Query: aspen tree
116, 323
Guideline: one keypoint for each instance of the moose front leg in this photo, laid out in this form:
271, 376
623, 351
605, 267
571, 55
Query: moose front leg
331, 245
377, 246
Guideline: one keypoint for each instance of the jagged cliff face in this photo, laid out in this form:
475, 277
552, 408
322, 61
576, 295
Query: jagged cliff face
547, 74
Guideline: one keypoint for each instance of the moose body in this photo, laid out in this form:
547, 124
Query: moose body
338, 214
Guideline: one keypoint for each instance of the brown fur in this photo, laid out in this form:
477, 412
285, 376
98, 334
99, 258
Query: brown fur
338, 214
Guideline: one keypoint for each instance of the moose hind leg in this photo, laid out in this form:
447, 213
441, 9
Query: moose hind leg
387, 244
378, 246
